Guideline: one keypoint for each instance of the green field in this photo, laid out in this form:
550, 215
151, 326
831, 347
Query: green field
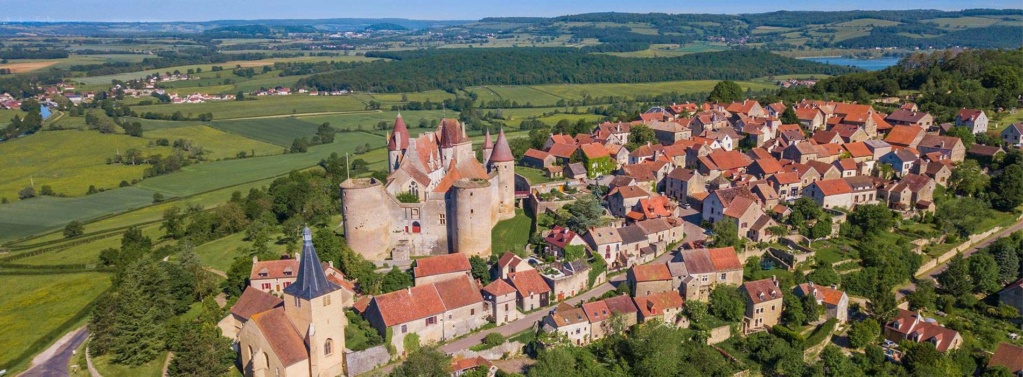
278, 131
262, 106
219, 254
69, 161
32, 306
216, 144
521, 94
511, 234
28, 217
213, 175
208, 68
578, 91
87, 253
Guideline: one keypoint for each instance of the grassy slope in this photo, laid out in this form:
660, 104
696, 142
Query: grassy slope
69, 161
28, 217
34, 305
217, 144
262, 106
278, 131
511, 234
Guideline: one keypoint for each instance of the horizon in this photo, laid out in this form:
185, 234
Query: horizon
418, 10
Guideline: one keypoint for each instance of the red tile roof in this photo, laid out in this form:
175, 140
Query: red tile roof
499, 288
655, 304
912, 327
406, 305
562, 150
836, 186
596, 311
274, 269
1009, 356
253, 301
727, 160
594, 150
457, 293
760, 291
442, 264
903, 135
281, 334
969, 114
466, 364
621, 304
528, 282
536, 153
629, 192
560, 236
651, 272
724, 258
857, 149
826, 294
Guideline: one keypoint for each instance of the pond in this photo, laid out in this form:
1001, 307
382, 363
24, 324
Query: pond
875, 64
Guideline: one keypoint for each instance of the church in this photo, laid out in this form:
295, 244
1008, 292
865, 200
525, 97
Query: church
438, 198
303, 337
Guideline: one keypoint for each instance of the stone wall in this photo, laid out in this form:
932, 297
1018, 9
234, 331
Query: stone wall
359, 362
966, 245
719, 334
511, 349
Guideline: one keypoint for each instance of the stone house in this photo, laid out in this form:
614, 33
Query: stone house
681, 184
665, 307
560, 238
905, 136
1012, 295
975, 120
645, 280
878, 148
672, 131
913, 191
596, 159
570, 321
600, 314
950, 147
901, 161
717, 202
434, 312
830, 193
567, 279
810, 118
763, 305
441, 267
907, 117
703, 269
532, 290
787, 185
621, 199
1013, 135
509, 262
826, 170
834, 301
251, 301
537, 159
606, 243
635, 245
913, 327
500, 302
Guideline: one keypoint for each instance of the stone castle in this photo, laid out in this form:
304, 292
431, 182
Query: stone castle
437, 199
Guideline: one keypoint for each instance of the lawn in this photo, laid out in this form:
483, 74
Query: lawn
261, 106
219, 254
217, 144
279, 131
34, 216
214, 175
69, 161
511, 234
107, 368
33, 306
534, 176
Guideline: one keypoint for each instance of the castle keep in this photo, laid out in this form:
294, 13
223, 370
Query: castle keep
437, 199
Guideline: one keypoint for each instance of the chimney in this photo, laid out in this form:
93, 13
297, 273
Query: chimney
255, 259
330, 263
408, 290
774, 279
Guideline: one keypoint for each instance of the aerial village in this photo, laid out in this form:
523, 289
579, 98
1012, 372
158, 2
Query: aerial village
680, 218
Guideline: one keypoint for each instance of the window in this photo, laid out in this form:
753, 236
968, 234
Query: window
431, 321
328, 347
415, 214
326, 300
472, 311
442, 219
704, 278
404, 329
416, 228
724, 276
266, 286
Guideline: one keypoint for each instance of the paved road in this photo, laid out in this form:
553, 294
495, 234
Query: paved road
693, 233
53, 361
934, 272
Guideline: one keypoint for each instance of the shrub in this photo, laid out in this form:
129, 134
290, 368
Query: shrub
493, 339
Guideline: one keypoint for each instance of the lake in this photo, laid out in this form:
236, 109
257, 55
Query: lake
867, 64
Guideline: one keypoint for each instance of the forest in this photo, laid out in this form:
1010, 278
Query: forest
415, 71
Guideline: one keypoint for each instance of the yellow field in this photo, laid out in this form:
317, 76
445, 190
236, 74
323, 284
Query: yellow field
22, 67
68, 161
217, 144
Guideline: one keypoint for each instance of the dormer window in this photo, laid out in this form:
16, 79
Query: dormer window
264, 273
288, 271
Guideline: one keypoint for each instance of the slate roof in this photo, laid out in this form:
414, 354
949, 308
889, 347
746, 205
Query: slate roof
311, 282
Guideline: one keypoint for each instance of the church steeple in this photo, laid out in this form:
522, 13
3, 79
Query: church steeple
311, 281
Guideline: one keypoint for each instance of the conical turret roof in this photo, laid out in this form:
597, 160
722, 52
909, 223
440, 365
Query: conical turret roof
311, 282
502, 151
399, 135
487, 143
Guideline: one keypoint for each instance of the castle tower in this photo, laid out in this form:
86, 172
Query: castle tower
397, 143
367, 225
488, 149
472, 210
314, 306
503, 161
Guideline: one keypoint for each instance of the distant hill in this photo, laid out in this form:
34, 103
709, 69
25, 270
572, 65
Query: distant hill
385, 26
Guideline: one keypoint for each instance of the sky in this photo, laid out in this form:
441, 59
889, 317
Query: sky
204, 10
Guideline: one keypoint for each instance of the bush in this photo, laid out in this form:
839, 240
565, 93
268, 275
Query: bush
822, 332
73, 229
493, 339
863, 333
794, 338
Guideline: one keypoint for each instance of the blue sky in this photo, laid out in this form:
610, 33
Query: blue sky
202, 10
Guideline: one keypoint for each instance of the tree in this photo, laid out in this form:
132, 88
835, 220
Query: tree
47, 190
425, 362
792, 310
789, 116
811, 309
1006, 254
956, 278
963, 133
821, 229
985, 274
726, 91
923, 296
863, 333
395, 279
173, 223
824, 274
584, 213
882, 304
640, 135
726, 234
143, 304
480, 269
326, 133
73, 229
201, 350
967, 178
872, 218
696, 311
574, 252
299, 145
1008, 187
27, 193
726, 303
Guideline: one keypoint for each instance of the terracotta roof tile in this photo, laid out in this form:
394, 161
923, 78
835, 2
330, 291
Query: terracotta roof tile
724, 258
836, 186
274, 269
858, 149
442, 264
528, 282
457, 293
405, 305
499, 288
282, 336
655, 304
596, 311
253, 301
762, 290
651, 272
1009, 356
903, 135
